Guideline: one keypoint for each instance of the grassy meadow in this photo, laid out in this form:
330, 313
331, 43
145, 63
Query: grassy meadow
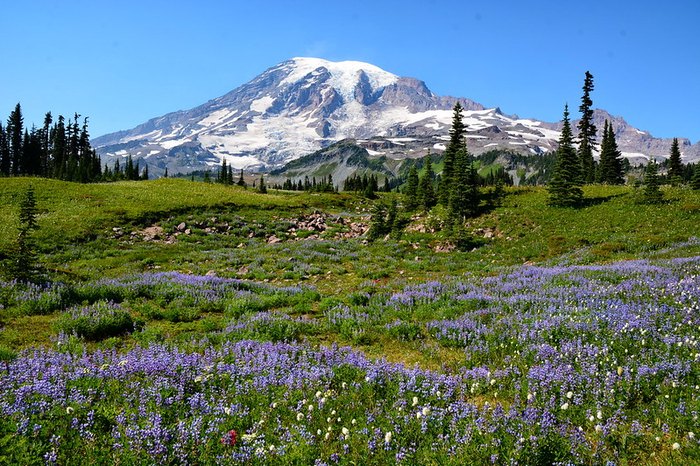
195, 323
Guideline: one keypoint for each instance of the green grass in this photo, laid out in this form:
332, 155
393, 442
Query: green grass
77, 243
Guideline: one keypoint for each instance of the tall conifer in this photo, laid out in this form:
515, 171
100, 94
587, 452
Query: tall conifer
675, 166
610, 167
587, 132
564, 186
454, 145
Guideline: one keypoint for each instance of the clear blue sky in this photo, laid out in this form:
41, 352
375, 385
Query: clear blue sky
123, 62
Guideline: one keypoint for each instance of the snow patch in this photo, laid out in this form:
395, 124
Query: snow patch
262, 104
439, 146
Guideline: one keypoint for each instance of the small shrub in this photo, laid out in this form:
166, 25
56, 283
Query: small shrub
96, 322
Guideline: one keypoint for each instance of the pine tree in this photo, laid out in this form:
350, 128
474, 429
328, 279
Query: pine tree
411, 189
426, 193
241, 180
22, 263
4, 153
15, 132
675, 166
262, 188
587, 132
456, 143
564, 186
652, 193
610, 167
695, 181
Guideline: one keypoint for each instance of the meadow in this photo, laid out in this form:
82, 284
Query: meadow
565, 336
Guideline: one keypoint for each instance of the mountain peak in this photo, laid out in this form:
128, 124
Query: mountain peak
345, 75
304, 104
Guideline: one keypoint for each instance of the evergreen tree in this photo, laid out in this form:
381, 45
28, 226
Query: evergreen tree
262, 188
222, 175
165, 174
241, 181
564, 186
59, 149
46, 145
15, 133
22, 263
145, 173
4, 153
675, 167
411, 189
652, 193
695, 181
464, 192
426, 193
587, 132
610, 167
456, 143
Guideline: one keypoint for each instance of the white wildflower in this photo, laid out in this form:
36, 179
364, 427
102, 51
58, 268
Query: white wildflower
676, 446
300, 416
415, 401
387, 437
569, 394
565, 406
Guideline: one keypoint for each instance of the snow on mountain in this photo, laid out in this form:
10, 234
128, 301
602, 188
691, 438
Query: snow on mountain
304, 104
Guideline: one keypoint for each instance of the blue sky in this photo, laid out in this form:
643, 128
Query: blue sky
123, 62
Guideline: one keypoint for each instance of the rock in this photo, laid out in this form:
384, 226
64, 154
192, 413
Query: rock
181, 227
243, 270
211, 273
273, 240
188, 231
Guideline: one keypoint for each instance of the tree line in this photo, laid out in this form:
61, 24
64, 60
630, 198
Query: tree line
59, 149
575, 167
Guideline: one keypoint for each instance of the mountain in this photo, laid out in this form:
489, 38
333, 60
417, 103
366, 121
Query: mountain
305, 104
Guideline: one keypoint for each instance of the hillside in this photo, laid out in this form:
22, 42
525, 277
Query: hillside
233, 320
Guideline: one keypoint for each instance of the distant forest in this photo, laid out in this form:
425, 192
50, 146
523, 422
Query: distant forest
58, 149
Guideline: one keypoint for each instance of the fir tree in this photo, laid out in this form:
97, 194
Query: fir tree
587, 132
22, 263
411, 189
426, 193
15, 132
4, 153
165, 174
652, 193
262, 188
241, 180
564, 186
454, 145
610, 166
675, 167
695, 180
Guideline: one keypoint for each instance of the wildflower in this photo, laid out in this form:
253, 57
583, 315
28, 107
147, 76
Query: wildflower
274, 405
345, 431
425, 411
229, 438
300, 416
327, 436
619, 370
691, 435
353, 422
319, 432
387, 437
598, 428
319, 394
676, 446
565, 406
591, 418
569, 394
529, 397
311, 408
599, 414
415, 401
69, 410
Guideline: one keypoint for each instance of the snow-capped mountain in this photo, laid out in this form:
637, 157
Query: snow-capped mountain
305, 104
